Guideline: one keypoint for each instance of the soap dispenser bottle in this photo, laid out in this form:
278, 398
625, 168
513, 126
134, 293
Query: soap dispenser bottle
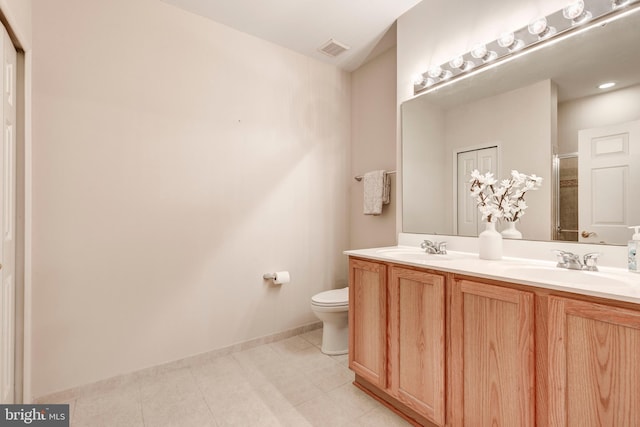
633, 247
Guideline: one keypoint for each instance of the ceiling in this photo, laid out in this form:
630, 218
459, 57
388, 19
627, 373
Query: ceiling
305, 25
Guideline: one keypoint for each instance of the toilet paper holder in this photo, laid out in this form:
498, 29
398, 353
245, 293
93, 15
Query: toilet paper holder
278, 277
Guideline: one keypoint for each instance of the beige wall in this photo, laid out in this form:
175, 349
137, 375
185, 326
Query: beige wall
175, 161
373, 145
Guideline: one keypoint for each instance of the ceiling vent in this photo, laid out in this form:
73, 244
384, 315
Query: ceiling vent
333, 48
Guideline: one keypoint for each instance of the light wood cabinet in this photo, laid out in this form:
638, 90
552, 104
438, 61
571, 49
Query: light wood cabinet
397, 336
449, 350
594, 364
417, 341
492, 347
368, 320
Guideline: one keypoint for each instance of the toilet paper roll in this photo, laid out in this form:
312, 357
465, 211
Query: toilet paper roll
281, 277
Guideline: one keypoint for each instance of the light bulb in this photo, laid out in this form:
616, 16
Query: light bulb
480, 51
418, 80
509, 41
539, 27
506, 39
436, 72
606, 85
575, 12
457, 62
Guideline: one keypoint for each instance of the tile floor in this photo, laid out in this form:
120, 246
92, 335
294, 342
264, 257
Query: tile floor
284, 383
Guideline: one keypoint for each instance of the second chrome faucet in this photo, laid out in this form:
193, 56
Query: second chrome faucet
572, 261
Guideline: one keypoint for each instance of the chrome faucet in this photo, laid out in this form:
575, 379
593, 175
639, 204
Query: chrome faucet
438, 248
591, 261
572, 261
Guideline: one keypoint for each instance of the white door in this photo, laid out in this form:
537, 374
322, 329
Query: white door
485, 160
608, 178
8, 219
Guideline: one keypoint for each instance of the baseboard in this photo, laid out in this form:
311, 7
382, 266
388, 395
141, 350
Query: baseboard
118, 381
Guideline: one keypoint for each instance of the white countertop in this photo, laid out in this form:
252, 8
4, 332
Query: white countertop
609, 282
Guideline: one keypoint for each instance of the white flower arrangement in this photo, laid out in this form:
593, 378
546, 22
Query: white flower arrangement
505, 201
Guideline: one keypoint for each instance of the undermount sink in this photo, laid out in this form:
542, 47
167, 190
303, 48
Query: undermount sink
411, 254
577, 277
398, 249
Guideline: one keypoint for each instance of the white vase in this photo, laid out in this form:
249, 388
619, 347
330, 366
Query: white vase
490, 242
511, 232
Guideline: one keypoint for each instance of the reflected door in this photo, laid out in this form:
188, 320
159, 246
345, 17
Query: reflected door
485, 160
608, 173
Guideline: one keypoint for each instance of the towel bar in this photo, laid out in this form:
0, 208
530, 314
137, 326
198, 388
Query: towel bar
359, 177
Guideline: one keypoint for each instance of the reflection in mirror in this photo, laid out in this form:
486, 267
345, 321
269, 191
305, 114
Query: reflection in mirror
541, 104
608, 166
565, 171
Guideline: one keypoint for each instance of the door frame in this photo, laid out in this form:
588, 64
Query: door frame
23, 313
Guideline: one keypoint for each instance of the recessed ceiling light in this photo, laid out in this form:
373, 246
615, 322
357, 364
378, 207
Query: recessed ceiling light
606, 85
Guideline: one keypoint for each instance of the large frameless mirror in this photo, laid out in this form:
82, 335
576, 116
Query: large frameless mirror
542, 113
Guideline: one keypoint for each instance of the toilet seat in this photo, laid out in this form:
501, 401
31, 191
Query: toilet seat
332, 298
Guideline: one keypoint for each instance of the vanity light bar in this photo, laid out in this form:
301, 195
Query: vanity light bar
540, 30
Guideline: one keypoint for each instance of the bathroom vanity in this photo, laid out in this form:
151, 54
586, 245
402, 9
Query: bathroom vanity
451, 340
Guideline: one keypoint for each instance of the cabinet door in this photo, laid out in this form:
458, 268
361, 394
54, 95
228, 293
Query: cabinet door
417, 341
594, 369
368, 320
492, 344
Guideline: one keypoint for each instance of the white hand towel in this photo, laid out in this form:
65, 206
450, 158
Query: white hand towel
377, 189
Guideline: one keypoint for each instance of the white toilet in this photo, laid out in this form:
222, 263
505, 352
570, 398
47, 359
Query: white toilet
332, 308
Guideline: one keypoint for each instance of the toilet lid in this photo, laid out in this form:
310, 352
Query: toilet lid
332, 298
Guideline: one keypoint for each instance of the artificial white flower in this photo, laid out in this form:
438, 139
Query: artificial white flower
505, 201
537, 179
518, 177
